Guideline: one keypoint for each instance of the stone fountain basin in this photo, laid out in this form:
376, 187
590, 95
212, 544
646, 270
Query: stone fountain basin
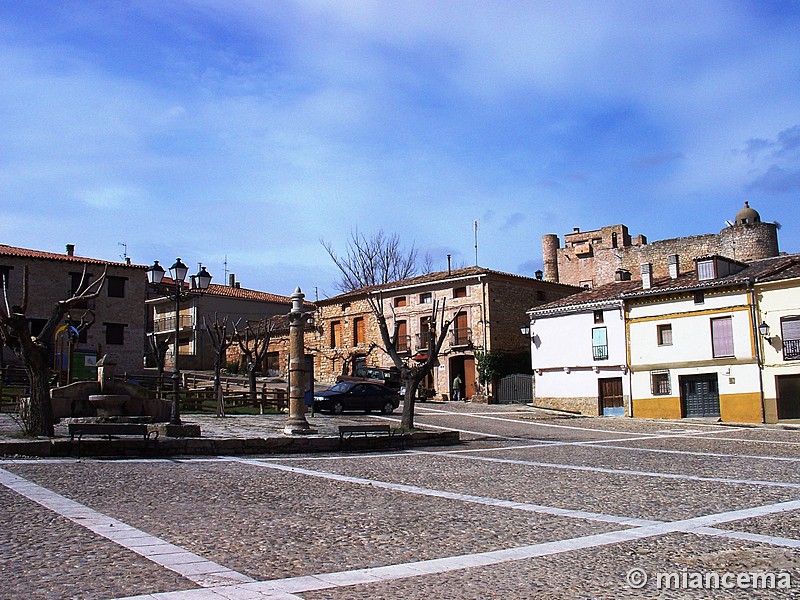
109, 405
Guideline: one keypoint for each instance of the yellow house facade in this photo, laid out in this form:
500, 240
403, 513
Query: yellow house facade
692, 346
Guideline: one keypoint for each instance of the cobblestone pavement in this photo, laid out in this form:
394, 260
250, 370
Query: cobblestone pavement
532, 505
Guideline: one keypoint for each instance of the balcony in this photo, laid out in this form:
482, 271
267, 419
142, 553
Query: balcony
461, 336
403, 343
600, 352
791, 349
168, 323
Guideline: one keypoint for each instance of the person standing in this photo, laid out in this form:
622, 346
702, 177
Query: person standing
457, 395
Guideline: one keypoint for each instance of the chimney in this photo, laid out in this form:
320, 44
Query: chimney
70, 249
449, 272
647, 276
622, 275
128, 260
576, 230
232, 280
539, 274
674, 265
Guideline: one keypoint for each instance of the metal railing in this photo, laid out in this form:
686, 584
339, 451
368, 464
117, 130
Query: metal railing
791, 349
168, 323
461, 336
600, 352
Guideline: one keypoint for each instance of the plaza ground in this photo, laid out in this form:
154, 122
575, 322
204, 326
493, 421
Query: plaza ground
531, 505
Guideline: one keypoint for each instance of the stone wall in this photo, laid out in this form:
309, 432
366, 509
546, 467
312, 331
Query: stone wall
592, 258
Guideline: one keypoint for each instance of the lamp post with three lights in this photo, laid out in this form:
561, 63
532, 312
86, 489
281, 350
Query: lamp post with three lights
199, 284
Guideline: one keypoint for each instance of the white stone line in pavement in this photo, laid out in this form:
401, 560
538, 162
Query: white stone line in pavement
195, 568
413, 489
524, 422
478, 433
744, 440
533, 463
295, 585
749, 537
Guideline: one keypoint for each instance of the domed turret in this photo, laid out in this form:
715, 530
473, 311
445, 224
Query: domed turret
747, 216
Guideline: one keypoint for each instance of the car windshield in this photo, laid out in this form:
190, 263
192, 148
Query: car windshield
342, 386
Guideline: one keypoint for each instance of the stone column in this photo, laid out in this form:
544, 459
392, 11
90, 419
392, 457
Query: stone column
296, 423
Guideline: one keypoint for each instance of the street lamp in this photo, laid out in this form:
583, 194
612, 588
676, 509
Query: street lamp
199, 284
763, 329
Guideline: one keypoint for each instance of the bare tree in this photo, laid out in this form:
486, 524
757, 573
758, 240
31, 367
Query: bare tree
221, 340
376, 261
253, 342
158, 348
347, 357
34, 351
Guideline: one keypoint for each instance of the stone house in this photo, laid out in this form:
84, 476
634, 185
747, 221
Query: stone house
116, 314
231, 301
488, 307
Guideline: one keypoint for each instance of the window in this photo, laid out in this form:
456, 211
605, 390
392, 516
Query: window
599, 343
116, 287
400, 301
336, 334
115, 333
699, 297
345, 306
460, 292
614, 240
272, 360
402, 336
425, 298
358, 331
706, 270
74, 283
664, 333
5, 275
722, 337
598, 316
660, 383
462, 335
790, 333
37, 325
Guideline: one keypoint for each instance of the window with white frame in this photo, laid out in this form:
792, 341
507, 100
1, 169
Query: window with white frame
664, 334
425, 298
722, 337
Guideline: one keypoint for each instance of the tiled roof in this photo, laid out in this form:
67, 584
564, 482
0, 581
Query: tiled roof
603, 294
236, 292
434, 277
768, 269
42, 255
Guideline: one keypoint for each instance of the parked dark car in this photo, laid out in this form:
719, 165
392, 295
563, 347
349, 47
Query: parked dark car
353, 395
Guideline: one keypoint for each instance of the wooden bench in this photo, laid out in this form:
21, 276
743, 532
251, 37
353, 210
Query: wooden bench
346, 433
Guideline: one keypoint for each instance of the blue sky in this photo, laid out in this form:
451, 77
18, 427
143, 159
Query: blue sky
250, 129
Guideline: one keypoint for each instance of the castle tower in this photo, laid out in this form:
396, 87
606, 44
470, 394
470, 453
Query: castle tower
550, 246
749, 238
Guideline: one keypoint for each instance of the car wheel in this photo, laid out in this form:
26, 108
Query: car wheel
337, 407
388, 408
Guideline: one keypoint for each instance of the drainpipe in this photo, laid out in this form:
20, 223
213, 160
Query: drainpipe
751, 292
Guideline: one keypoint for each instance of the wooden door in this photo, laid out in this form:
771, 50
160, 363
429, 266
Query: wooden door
611, 400
469, 377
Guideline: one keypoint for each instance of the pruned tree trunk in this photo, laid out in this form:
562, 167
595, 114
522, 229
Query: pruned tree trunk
221, 340
35, 351
253, 342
